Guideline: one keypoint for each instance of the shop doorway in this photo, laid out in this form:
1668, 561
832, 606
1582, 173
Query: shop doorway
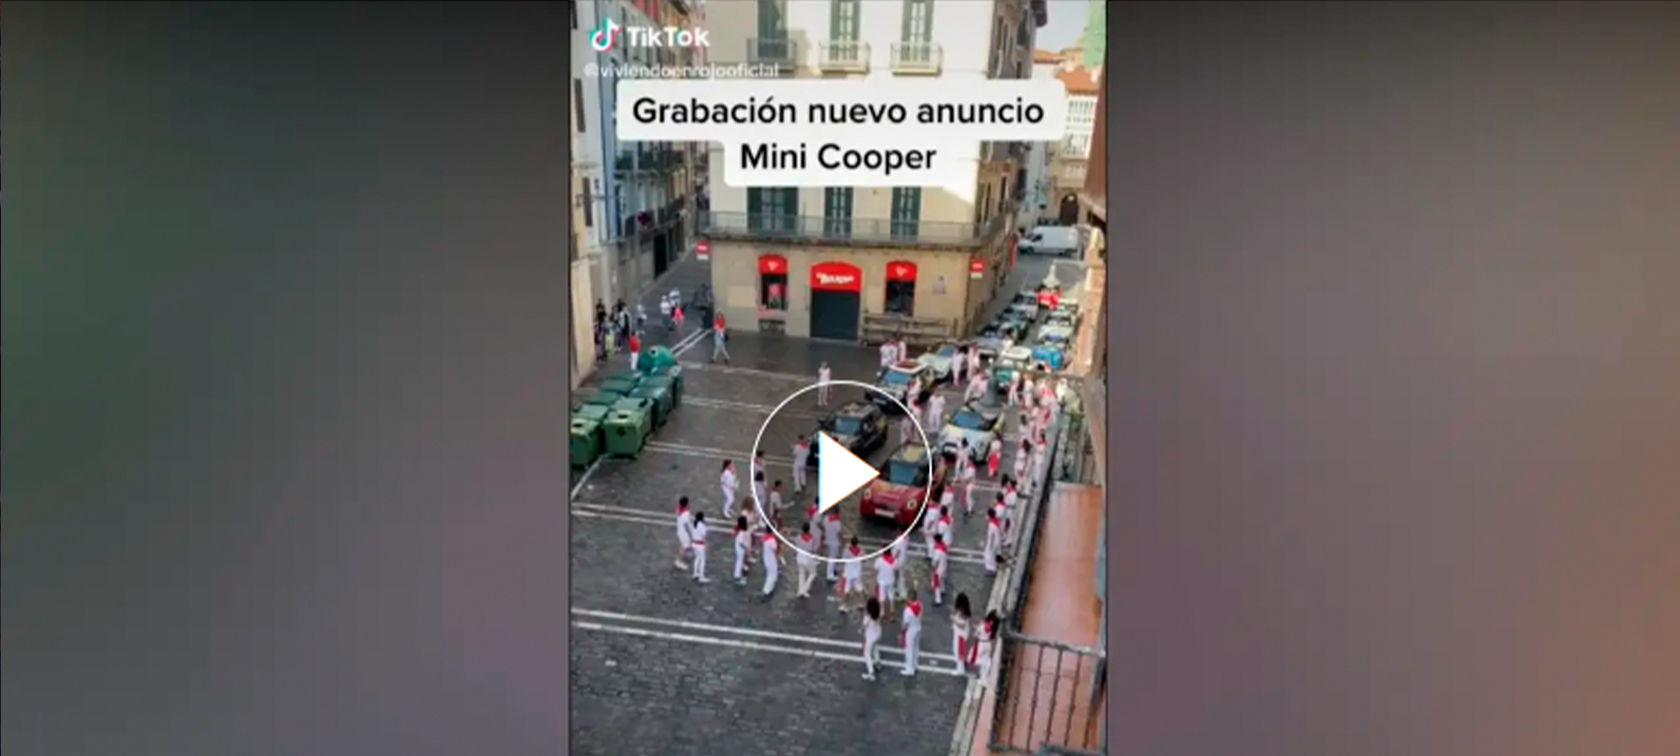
1069, 214
836, 299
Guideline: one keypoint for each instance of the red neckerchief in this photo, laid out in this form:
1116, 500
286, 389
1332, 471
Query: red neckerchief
915, 607
888, 558
681, 509
833, 516
811, 512
805, 539
854, 551
770, 538
941, 547
992, 520
945, 520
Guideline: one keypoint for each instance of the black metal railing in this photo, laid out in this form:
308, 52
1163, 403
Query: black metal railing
819, 228
648, 160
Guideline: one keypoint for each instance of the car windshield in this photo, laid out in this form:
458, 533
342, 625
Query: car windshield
896, 378
847, 425
947, 350
968, 420
907, 473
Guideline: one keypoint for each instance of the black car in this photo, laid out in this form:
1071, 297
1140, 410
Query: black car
860, 426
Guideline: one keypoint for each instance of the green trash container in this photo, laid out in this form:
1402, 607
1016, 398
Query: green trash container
625, 374
627, 427
660, 396
656, 360
675, 373
670, 386
593, 412
618, 385
602, 398
586, 442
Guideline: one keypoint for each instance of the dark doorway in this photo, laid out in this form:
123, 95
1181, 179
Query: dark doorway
661, 254
836, 296
1069, 214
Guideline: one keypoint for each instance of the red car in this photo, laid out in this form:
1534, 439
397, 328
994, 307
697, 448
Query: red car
902, 488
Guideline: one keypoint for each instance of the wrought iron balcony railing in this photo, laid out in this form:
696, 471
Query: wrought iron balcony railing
917, 57
843, 230
842, 55
777, 51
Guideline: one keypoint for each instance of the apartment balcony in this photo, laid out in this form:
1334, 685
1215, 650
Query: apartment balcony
917, 58
843, 56
654, 161
772, 51
874, 232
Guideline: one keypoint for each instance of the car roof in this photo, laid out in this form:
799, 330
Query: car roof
855, 409
908, 366
1017, 351
912, 452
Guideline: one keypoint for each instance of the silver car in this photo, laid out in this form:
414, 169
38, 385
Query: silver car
977, 424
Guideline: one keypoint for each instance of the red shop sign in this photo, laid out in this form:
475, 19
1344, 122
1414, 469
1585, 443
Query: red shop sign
773, 264
702, 250
976, 269
836, 276
898, 270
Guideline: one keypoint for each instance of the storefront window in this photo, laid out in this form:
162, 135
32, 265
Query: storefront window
901, 288
772, 282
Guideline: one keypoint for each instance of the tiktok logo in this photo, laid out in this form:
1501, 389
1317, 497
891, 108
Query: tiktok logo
604, 38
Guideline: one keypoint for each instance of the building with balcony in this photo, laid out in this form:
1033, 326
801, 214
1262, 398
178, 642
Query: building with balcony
857, 263
1069, 158
1035, 204
637, 198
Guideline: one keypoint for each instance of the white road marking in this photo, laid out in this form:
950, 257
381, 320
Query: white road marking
730, 369
710, 453
646, 517
586, 474
752, 632
687, 342
762, 409
854, 658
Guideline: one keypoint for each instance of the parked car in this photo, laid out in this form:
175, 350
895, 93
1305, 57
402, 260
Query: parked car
1025, 304
976, 423
899, 493
897, 381
940, 360
1013, 326
991, 341
859, 426
1055, 334
1051, 355
1062, 318
1011, 361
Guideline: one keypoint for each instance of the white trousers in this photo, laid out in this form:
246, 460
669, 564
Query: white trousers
740, 562
807, 576
833, 554
728, 503
799, 477
871, 654
912, 644
771, 572
633, 358
699, 561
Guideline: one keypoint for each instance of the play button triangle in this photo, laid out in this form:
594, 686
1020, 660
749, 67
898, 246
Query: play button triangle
839, 472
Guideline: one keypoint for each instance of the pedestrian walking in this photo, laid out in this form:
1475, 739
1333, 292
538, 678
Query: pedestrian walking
994, 455
772, 563
677, 318
942, 529
801, 461
930, 519
974, 361
685, 533
743, 542
936, 412
889, 354
641, 317
720, 339
871, 638
851, 578
994, 540
698, 540
1022, 456
635, 343
911, 635
760, 490
980, 654
885, 566
728, 484
806, 560
976, 388
775, 501
824, 375
665, 313
907, 428
959, 368
961, 629
941, 565
831, 539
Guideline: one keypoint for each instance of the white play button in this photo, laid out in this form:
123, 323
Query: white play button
839, 472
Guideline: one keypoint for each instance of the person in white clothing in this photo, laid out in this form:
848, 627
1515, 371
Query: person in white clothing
761, 491
994, 539
980, 654
974, 360
885, 567
889, 355
824, 375
806, 560
994, 457
743, 542
930, 519
758, 463
911, 635
967, 489
728, 484
907, 429
961, 624
942, 529
831, 539
871, 638
685, 533
935, 413
772, 563
851, 581
698, 540
941, 566
775, 500
976, 387
1023, 455
801, 461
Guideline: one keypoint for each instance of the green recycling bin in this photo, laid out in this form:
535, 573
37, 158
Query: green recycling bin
592, 412
618, 385
661, 398
675, 373
627, 427
670, 386
601, 398
656, 360
586, 442
626, 374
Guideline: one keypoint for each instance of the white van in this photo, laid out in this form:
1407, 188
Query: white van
1061, 241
